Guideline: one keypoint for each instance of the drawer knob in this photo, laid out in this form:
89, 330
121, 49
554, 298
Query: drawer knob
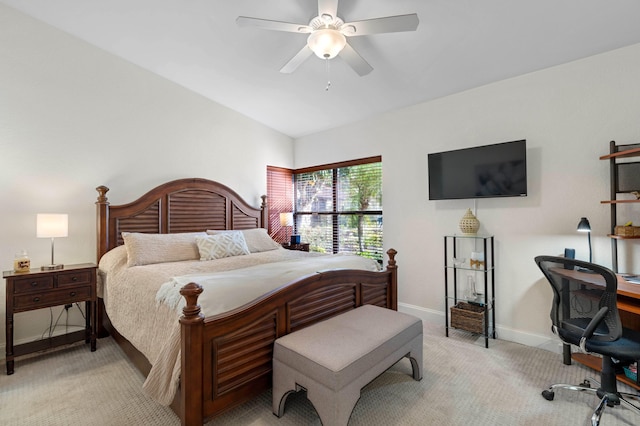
72, 294
36, 299
34, 283
74, 279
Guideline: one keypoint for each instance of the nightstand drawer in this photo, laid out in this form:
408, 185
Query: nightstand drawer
74, 278
51, 298
32, 284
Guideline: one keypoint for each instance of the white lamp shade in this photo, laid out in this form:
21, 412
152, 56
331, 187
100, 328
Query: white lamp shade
286, 219
326, 43
52, 225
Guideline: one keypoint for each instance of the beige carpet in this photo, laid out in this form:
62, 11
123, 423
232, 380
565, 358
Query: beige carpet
463, 384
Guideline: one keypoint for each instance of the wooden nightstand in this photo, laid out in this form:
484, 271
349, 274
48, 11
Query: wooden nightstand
42, 289
301, 246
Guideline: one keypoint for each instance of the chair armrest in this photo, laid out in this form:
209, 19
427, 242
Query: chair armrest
591, 327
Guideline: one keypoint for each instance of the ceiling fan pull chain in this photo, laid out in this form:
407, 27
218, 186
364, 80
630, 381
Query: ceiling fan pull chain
326, 89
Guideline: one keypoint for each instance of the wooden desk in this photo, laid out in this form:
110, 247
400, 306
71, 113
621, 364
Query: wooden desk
628, 308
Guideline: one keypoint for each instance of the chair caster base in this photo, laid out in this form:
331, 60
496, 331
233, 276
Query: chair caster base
548, 395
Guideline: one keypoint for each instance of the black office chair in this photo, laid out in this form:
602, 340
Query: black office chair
585, 313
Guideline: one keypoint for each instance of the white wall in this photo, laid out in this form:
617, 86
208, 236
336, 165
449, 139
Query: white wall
73, 117
568, 114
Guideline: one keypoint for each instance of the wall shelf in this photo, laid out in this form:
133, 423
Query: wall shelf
623, 153
619, 201
622, 237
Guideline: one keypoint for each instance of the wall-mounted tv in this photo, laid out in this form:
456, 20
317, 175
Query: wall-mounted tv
498, 170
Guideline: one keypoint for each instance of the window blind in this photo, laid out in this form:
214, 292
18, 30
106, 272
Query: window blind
338, 207
279, 200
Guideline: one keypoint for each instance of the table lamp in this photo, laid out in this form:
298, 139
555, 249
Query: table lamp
286, 221
52, 226
584, 226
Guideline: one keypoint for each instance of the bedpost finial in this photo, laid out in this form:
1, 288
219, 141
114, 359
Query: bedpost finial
191, 311
102, 193
264, 201
392, 258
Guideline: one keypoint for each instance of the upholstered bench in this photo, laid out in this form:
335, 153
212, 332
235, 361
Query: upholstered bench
334, 359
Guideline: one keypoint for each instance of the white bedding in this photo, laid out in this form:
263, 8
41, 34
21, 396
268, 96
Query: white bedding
144, 305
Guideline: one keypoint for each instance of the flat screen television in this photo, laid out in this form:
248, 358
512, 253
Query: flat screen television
498, 170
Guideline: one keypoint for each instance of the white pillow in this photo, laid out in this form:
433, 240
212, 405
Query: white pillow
257, 239
222, 245
116, 257
145, 249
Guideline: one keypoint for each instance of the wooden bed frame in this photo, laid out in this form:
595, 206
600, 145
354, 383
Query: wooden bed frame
226, 359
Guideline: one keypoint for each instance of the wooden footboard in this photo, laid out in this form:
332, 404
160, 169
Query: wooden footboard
227, 358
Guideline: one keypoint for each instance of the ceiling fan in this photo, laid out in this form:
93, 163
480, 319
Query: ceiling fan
328, 34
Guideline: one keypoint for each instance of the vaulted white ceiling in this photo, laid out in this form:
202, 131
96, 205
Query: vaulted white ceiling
459, 44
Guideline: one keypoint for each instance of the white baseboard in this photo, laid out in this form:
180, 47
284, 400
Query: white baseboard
503, 333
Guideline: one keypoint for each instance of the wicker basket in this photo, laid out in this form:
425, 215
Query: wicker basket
627, 231
466, 316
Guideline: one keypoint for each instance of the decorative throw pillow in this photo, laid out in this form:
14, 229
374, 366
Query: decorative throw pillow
146, 249
257, 239
222, 245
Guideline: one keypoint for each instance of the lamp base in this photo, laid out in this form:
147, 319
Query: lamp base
52, 267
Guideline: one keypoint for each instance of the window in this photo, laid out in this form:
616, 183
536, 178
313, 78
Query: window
338, 207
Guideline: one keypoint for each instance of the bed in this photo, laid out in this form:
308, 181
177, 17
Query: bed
224, 358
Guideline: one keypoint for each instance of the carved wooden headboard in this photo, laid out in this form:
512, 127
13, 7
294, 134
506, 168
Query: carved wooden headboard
183, 205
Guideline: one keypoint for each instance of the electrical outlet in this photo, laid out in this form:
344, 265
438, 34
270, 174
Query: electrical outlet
68, 306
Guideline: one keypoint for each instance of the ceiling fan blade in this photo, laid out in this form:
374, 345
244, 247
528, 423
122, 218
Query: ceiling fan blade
389, 24
355, 61
245, 21
329, 7
297, 60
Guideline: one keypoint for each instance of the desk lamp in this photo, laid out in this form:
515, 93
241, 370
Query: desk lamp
584, 226
51, 226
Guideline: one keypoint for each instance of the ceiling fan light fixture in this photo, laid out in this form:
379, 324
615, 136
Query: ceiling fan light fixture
328, 33
326, 43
